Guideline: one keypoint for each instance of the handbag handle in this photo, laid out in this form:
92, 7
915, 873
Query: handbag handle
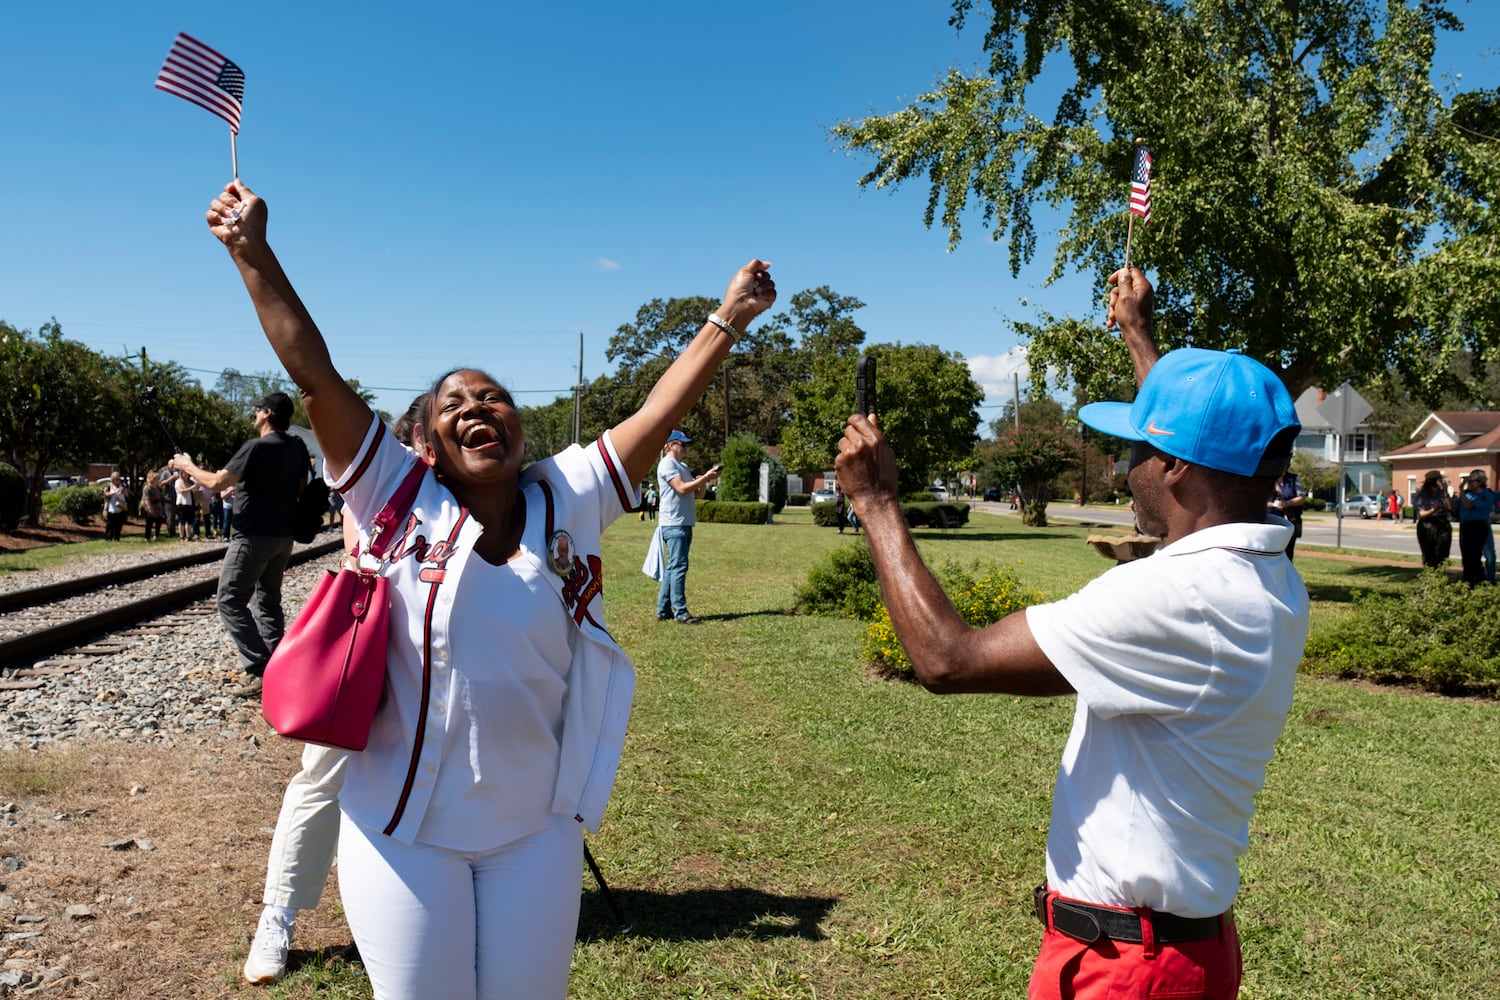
395, 510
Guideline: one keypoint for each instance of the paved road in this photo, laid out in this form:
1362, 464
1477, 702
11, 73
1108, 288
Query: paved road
1317, 528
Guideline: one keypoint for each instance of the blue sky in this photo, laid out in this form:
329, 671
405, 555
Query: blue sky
479, 183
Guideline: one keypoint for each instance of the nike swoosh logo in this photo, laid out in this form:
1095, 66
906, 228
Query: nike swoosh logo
1151, 428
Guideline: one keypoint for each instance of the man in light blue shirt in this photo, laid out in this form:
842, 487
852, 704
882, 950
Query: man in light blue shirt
677, 515
1475, 502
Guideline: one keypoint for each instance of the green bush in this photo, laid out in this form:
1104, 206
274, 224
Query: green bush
12, 497
1315, 503
740, 477
842, 584
80, 504
1438, 635
943, 514
980, 595
825, 514
798, 499
778, 483
734, 512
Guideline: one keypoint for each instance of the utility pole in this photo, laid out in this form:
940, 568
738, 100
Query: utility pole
578, 393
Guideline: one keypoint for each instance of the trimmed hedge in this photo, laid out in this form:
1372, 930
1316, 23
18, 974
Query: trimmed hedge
928, 514
734, 512
798, 499
12, 497
80, 504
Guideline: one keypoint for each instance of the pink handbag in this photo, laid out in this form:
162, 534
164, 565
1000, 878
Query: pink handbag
324, 681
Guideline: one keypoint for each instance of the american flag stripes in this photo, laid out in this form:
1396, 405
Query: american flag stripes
197, 73
1140, 185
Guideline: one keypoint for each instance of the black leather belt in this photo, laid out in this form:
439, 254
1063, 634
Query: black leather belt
1088, 924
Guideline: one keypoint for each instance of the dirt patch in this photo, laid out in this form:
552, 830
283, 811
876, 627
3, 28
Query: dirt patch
139, 867
53, 533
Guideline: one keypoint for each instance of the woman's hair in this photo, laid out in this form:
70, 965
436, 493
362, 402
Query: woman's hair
404, 424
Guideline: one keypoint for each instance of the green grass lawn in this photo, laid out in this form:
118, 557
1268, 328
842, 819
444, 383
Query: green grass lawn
787, 826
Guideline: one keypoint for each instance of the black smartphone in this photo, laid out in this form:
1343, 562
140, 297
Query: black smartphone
864, 385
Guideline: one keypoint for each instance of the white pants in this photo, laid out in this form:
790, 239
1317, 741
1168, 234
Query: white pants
307, 831
464, 925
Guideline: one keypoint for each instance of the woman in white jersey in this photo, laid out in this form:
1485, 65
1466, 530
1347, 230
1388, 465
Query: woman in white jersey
506, 700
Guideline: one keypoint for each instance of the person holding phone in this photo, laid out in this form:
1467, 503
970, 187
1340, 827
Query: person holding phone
678, 513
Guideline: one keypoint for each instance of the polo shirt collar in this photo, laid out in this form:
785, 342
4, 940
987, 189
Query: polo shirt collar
1270, 536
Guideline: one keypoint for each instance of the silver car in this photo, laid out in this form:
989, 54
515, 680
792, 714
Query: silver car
1361, 504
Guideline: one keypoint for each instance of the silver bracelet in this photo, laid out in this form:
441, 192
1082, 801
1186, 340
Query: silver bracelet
725, 325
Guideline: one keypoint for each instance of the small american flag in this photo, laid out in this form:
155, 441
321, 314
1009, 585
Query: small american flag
197, 73
1140, 185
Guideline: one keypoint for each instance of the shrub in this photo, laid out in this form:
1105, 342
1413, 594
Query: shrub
936, 515
981, 596
798, 499
1315, 503
12, 497
1438, 635
825, 514
740, 478
734, 512
78, 503
842, 584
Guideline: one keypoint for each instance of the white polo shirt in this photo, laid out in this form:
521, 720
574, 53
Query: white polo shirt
1184, 665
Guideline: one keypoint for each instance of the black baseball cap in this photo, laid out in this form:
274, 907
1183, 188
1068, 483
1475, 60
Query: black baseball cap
280, 406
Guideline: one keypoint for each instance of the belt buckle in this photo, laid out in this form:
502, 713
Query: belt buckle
1039, 903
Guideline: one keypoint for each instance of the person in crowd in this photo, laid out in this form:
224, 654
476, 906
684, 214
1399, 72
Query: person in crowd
212, 526
186, 504
1380, 505
307, 829
680, 491
1394, 506
267, 473
226, 524
840, 507
116, 506
460, 841
1476, 501
1287, 499
1183, 664
153, 507
648, 503
1432, 509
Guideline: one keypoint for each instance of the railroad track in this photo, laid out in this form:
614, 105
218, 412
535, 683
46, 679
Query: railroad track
44, 621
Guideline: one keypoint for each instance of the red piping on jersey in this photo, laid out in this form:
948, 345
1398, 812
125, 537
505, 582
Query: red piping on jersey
621, 490
364, 464
421, 734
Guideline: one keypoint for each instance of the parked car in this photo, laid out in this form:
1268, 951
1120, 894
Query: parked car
1362, 504
992, 495
824, 495
939, 493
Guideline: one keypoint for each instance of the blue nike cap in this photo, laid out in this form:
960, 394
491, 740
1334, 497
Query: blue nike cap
1218, 409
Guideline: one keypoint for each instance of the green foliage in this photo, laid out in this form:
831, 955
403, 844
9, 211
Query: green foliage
734, 512
980, 595
842, 584
1438, 634
1314, 472
1273, 228
549, 428
80, 504
740, 477
12, 497
942, 514
825, 514
1034, 456
798, 499
778, 483
926, 408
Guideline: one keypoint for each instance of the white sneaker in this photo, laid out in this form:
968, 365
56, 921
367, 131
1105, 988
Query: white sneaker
273, 938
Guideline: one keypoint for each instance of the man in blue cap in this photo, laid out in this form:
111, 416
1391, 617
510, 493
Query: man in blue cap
1183, 665
677, 515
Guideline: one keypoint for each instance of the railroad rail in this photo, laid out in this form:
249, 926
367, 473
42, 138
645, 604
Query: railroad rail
39, 640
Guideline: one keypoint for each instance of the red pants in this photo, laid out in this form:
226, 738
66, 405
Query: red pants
1069, 969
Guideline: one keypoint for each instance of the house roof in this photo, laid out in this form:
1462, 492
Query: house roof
1475, 433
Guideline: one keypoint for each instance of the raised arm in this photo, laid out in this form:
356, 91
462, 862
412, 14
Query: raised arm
639, 438
947, 654
1130, 304
338, 416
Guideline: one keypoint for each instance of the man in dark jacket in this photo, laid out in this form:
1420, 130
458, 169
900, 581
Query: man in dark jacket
267, 473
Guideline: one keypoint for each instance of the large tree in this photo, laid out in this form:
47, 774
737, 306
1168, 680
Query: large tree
926, 401
54, 404
1317, 200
